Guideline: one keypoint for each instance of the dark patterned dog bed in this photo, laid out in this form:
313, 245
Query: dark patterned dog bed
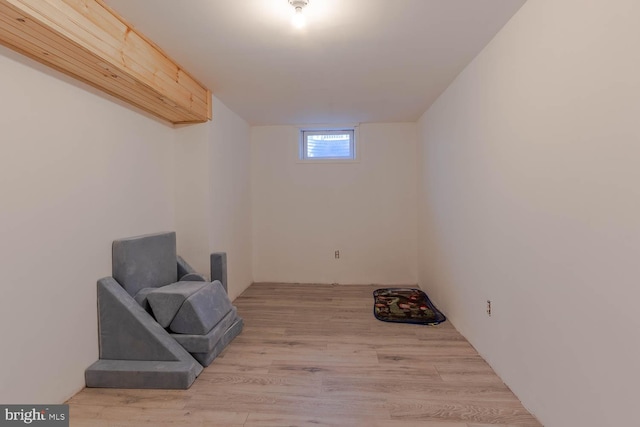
405, 305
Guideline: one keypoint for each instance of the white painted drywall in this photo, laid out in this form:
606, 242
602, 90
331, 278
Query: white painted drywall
213, 195
193, 183
530, 197
303, 212
230, 195
77, 170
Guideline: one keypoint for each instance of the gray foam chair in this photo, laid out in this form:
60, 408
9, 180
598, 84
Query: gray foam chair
159, 321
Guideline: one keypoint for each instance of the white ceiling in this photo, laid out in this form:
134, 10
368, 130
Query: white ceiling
356, 61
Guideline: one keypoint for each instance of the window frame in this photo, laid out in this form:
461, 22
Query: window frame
328, 130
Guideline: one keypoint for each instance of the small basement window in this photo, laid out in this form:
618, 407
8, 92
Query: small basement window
328, 144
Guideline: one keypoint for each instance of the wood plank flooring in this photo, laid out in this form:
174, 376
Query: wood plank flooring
314, 355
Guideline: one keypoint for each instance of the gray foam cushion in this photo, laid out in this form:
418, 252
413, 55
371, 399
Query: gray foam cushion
193, 277
165, 302
148, 261
184, 267
201, 311
205, 359
141, 298
218, 263
135, 351
205, 343
127, 332
142, 374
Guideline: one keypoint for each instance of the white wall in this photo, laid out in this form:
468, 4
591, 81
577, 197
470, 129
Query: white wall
76, 172
303, 212
193, 183
213, 195
529, 197
230, 195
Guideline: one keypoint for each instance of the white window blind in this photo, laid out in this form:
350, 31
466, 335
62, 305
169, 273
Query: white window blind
328, 144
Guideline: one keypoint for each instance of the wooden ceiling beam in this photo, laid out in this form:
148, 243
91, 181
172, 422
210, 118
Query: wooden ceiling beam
88, 41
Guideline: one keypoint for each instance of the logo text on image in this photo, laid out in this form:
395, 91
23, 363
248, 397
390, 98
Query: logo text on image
52, 415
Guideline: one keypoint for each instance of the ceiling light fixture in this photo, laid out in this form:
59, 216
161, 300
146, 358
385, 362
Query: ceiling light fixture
299, 20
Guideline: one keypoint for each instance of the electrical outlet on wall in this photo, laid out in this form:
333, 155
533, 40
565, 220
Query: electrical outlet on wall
489, 307
337, 254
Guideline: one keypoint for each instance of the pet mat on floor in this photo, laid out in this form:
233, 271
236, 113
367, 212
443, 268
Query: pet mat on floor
405, 305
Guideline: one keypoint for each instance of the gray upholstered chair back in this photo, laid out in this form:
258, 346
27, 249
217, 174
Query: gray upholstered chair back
148, 261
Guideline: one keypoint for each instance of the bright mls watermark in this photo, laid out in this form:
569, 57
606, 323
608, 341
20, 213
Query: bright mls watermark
37, 415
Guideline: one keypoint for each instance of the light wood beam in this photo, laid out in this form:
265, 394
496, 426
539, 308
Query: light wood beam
88, 41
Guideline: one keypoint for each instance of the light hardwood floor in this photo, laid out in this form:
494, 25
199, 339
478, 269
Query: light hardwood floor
314, 355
